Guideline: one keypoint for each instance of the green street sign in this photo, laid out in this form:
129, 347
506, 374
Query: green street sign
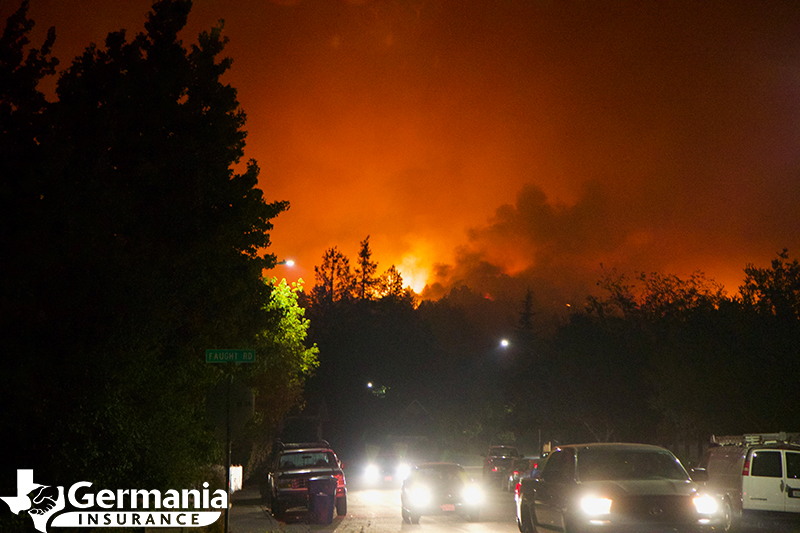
230, 356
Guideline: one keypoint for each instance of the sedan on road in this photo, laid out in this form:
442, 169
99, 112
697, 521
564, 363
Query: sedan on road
385, 469
615, 487
440, 488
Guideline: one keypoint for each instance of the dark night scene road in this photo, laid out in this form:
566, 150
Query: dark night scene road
399, 265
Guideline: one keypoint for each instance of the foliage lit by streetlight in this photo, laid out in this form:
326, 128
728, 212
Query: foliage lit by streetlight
377, 390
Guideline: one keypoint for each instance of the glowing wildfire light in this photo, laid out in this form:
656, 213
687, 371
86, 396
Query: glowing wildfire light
414, 275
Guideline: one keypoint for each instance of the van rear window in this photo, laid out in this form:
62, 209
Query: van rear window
766, 464
792, 465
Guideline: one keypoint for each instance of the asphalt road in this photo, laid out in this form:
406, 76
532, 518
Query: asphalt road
371, 510
377, 510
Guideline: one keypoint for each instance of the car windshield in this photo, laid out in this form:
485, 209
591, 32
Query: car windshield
502, 451
598, 464
290, 461
446, 476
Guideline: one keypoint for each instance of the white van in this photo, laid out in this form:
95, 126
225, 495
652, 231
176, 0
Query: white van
754, 473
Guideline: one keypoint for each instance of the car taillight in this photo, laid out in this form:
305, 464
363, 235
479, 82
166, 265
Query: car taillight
746, 468
516, 489
516, 472
494, 469
339, 480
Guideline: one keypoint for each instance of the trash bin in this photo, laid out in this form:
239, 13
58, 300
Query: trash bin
322, 498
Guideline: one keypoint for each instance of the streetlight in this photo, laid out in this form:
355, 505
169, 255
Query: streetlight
287, 262
504, 343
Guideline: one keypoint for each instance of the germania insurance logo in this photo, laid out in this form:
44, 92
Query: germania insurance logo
122, 508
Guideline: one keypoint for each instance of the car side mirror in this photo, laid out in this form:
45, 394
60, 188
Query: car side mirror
699, 475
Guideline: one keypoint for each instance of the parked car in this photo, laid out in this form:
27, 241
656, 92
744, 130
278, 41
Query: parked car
756, 474
521, 467
440, 488
307, 475
614, 487
497, 464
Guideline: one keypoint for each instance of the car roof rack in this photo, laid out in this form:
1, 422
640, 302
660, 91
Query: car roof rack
754, 439
299, 445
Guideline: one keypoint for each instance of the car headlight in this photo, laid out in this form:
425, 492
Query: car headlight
371, 472
403, 470
705, 504
472, 494
594, 506
419, 495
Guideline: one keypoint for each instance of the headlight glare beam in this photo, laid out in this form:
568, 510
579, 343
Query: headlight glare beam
705, 504
594, 506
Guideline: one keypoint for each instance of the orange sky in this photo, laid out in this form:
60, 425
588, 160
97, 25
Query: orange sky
509, 143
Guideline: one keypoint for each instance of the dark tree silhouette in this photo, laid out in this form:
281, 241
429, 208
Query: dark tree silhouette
391, 285
147, 249
365, 272
22, 126
334, 279
775, 290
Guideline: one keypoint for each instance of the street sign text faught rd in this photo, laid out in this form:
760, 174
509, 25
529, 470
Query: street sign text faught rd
230, 356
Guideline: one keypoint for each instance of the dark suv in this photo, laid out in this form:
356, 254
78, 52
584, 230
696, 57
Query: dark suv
497, 464
306, 475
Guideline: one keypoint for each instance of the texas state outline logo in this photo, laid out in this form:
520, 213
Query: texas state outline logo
48, 505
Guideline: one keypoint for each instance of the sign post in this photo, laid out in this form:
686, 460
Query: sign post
229, 356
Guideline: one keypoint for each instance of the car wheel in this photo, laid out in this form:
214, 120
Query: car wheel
406, 516
524, 522
341, 506
729, 523
414, 518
